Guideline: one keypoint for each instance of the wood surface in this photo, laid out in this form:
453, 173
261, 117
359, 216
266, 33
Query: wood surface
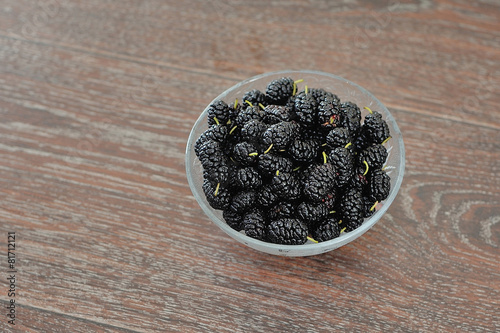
97, 99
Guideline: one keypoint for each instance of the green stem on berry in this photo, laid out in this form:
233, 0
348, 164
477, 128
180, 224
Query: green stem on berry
248, 102
217, 190
253, 154
324, 144
374, 205
268, 149
297, 168
367, 108
347, 145
262, 106
298, 81
340, 221
216, 121
331, 212
366, 170
325, 157
235, 104
306, 90
232, 129
383, 142
228, 122
343, 229
277, 172
312, 239
294, 89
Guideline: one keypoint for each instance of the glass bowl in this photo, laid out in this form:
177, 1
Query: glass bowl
346, 91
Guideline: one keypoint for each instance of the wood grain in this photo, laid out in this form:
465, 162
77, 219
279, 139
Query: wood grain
97, 100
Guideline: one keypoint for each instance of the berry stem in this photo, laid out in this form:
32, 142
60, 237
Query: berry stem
367, 108
306, 90
253, 154
297, 168
248, 102
312, 239
262, 106
294, 89
277, 172
366, 170
374, 205
325, 157
343, 229
347, 145
388, 138
216, 121
298, 81
232, 130
235, 103
217, 190
268, 149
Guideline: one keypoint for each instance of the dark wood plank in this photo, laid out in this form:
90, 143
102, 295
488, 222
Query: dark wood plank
97, 100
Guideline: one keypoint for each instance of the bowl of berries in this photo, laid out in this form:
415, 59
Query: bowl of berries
295, 163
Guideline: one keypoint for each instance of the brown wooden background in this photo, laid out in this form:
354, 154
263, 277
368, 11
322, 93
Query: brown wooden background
97, 99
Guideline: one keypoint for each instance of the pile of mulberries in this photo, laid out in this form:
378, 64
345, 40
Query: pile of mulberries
286, 165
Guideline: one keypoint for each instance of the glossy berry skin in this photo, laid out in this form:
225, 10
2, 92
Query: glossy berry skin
287, 231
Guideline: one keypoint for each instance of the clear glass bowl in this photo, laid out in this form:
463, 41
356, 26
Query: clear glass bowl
346, 91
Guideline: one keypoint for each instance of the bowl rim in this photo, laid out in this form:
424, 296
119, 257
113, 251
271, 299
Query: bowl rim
312, 248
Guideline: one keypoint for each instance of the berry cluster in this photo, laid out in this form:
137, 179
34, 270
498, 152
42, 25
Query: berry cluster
285, 165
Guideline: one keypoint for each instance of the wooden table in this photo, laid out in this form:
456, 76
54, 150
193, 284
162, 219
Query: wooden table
97, 99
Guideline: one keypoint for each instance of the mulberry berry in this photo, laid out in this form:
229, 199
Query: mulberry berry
303, 151
217, 196
254, 225
248, 178
374, 156
312, 213
380, 185
287, 231
281, 209
341, 159
277, 113
245, 153
328, 229
375, 127
242, 201
279, 135
352, 209
286, 185
320, 182
306, 108
278, 91
218, 113
338, 137
268, 164
255, 97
